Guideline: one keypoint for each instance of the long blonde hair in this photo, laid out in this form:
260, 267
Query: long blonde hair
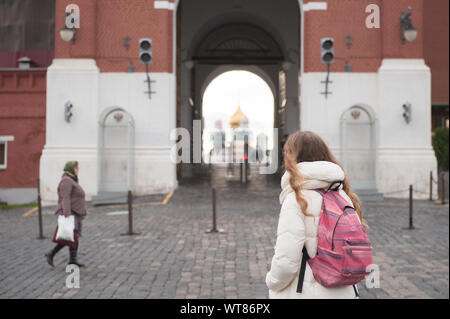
305, 146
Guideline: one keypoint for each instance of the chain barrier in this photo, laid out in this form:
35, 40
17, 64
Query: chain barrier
401, 191
130, 196
421, 192
392, 192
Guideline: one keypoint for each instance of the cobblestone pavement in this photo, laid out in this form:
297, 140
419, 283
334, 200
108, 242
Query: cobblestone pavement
173, 257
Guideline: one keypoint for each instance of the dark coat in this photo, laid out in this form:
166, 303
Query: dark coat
71, 200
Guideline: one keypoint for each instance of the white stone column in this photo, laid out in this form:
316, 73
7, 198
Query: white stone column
405, 152
75, 81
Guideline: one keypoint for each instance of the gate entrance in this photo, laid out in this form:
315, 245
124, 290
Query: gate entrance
260, 36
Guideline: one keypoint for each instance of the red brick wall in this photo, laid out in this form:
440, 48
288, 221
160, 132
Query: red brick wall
369, 46
103, 26
391, 29
436, 47
22, 115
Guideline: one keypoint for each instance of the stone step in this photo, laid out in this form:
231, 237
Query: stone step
106, 198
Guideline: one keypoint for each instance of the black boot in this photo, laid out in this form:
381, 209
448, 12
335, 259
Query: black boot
52, 254
73, 257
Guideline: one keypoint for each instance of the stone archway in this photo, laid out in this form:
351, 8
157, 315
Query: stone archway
241, 43
246, 36
222, 104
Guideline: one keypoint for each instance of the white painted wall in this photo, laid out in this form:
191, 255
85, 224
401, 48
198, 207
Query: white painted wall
74, 80
323, 115
91, 92
405, 155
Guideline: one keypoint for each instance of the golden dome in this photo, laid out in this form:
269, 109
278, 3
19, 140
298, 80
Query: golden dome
237, 117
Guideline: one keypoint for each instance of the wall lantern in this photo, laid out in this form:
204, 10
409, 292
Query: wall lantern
409, 32
68, 34
407, 112
68, 111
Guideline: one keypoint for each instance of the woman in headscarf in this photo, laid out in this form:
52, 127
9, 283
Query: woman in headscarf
71, 201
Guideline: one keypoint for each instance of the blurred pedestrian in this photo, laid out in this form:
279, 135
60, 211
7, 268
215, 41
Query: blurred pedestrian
71, 201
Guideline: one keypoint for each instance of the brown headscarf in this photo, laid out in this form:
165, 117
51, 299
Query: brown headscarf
69, 170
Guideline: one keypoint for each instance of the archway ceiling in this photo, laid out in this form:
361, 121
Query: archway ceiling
238, 43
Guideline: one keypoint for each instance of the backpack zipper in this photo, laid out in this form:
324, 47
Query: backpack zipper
332, 235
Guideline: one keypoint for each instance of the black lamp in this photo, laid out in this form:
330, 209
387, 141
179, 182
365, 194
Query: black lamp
68, 34
409, 32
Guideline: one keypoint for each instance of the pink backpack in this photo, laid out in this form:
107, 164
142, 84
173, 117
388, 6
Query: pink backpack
343, 249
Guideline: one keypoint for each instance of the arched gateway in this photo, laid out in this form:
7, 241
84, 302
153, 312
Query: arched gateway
256, 36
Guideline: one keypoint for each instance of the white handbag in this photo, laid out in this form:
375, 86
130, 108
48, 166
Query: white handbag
66, 226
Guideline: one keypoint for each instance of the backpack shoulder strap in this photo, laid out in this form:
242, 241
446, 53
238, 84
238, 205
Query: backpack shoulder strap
334, 187
356, 291
305, 257
301, 276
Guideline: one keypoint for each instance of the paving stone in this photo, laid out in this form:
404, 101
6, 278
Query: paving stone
173, 257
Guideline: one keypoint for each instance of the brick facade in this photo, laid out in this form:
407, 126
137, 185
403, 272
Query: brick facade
436, 47
22, 115
105, 24
369, 46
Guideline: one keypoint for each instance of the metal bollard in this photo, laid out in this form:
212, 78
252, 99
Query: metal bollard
411, 226
442, 182
130, 215
214, 215
431, 185
41, 233
244, 165
244, 172
130, 212
246, 160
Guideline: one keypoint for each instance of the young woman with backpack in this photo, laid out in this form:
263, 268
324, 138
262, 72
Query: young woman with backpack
320, 219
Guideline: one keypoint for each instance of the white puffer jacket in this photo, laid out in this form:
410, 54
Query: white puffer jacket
295, 230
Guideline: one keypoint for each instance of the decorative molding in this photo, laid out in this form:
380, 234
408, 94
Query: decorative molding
15, 81
8, 138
